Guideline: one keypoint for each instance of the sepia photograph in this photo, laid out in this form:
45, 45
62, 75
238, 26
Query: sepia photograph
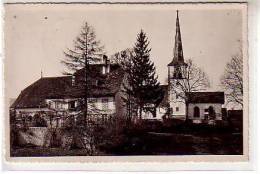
157, 79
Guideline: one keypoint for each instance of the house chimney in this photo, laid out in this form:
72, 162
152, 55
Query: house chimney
106, 65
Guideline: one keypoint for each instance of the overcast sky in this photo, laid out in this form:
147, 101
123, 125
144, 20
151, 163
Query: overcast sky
37, 35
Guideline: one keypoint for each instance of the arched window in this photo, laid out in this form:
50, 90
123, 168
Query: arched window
212, 114
196, 112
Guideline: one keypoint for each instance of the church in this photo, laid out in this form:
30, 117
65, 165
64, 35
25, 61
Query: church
179, 103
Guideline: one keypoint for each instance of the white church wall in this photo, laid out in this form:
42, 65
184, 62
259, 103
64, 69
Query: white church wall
202, 106
178, 106
178, 109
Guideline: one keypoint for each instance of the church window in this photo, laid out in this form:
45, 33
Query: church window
177, 109
212, 113
196, 112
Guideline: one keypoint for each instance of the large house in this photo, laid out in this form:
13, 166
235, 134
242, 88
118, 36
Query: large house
62, 96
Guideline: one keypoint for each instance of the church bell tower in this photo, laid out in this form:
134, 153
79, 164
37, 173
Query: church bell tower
175, 75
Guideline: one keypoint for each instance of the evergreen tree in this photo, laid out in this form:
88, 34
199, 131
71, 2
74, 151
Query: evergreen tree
145, 86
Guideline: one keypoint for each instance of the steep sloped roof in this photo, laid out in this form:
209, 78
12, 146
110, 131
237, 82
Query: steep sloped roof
100, 85
47, 87
206, 97
178, 58
164, 102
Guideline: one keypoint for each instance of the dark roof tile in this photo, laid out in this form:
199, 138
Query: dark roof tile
61, 87
206, 97
49, 87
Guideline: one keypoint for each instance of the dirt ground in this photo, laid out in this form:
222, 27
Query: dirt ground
155, 143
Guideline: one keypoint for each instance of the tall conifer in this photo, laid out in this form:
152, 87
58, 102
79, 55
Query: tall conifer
143, 80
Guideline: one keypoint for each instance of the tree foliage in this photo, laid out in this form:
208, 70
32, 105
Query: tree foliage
123, 58
145, 87
86, 47
232, 80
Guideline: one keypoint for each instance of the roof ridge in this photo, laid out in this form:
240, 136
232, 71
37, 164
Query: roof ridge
52, 77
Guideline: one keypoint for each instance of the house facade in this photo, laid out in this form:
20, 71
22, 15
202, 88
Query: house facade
59, 98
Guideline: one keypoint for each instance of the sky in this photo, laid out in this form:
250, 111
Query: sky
36, 36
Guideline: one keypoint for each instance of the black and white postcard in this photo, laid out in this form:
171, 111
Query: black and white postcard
131, 82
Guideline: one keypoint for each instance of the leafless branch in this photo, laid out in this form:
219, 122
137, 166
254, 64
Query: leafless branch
232, 80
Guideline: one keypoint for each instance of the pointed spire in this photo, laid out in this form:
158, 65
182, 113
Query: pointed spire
178, 51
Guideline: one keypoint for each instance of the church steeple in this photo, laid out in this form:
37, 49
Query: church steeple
178, 51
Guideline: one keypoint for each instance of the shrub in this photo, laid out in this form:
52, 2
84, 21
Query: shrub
38, 121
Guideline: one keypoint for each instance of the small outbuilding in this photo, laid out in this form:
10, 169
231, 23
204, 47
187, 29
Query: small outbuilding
205, 107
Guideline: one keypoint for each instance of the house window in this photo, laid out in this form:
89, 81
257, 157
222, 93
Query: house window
92, 100
58, 105
104, 103
72, 104
174, 75
177, 109
179, 75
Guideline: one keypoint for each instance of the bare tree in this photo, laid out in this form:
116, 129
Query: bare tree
232, 80
123, 58
193, 79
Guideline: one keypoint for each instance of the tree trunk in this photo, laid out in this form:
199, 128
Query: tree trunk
186, 112
86, 90
140, 112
